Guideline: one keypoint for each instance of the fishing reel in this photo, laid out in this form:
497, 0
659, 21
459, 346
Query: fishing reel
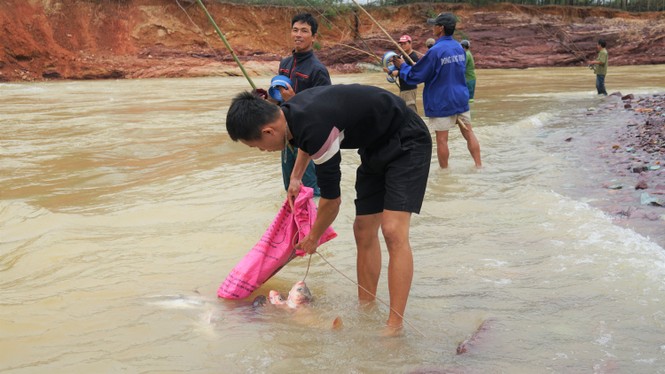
387, 62
390, 77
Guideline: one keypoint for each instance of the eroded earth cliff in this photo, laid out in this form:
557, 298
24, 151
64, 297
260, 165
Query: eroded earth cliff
85, 39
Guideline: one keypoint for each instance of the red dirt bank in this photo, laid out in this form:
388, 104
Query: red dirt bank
69, 39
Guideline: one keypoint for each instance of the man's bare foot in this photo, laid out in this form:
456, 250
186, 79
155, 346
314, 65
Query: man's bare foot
391, 331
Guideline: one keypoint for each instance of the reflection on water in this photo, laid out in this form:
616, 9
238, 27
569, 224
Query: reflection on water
124, 205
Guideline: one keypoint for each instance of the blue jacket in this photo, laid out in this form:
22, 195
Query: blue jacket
442, 70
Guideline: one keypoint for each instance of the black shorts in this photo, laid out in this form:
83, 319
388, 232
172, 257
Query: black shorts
394, 175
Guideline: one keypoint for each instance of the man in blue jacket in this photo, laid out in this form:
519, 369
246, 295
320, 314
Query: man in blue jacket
445, 97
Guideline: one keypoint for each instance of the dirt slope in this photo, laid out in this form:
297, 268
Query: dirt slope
85, 39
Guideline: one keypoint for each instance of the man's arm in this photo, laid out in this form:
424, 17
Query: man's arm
299, 167
325, 216
321, 77
418, 73
599, 60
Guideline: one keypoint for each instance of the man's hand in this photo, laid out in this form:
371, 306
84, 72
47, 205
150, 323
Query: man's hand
287, 93
308, 244
260, 92
393, 73
398, 61
293, 191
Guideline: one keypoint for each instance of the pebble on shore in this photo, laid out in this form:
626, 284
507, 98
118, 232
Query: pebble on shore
637, 158
643, 142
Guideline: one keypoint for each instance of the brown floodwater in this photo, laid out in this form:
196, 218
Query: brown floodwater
124, 205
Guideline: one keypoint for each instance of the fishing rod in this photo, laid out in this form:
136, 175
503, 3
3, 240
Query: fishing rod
322, 15
309, 263
366, 290
357, 34
406, 55
226, 43
377, 58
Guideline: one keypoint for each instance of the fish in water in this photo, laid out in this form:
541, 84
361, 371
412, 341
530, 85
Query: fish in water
477, 337
177, 301
298, 295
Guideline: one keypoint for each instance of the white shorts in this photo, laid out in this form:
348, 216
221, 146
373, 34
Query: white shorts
447, 123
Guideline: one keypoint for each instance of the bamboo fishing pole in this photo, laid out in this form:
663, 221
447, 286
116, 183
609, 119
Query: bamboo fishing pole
226, 43
406, 56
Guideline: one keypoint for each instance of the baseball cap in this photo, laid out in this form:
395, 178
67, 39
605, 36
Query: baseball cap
465, 43
443, 19
278, 81
404, 39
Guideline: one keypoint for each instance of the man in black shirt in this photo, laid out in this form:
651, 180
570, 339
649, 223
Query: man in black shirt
408, 92
395, 150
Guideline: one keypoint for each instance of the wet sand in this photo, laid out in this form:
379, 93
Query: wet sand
627, 158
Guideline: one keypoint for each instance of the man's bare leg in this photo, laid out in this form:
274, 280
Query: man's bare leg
442, 151
395, 227
472, 143
368, 262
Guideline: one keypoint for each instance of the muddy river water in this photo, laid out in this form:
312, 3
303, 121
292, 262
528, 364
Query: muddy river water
124, 204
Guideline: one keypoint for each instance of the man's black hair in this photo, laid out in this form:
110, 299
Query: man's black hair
602, 43
247, 115
308, 19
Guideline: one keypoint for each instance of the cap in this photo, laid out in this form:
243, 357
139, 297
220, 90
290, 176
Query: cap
278, 81
430, 42
405, 39
465, 43
443, 19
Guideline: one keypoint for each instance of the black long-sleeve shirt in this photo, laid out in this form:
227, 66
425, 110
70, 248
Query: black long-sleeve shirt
403, 86
325, 119
304, 70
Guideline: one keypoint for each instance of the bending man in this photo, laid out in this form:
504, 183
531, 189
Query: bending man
395, 150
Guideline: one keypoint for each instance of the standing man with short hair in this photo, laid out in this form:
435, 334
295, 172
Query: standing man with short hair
305, 71
470, 74
395, 149
408, 92
445, 97
599, 66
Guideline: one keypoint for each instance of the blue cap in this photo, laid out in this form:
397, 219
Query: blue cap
278, 81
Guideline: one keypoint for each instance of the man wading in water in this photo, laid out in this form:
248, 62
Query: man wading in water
305, 71
395, 150
445, 97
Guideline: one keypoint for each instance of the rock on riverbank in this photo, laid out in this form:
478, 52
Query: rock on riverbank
634, 155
